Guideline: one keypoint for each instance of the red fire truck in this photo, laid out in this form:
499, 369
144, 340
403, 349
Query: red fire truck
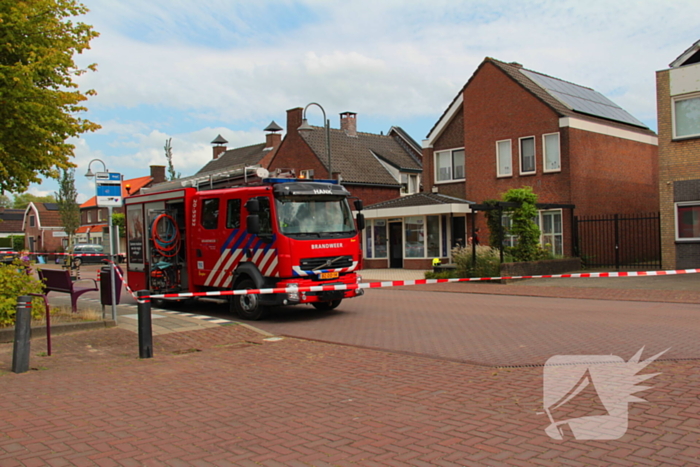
245, 232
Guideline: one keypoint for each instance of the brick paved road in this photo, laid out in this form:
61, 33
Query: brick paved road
223, 396
497, 329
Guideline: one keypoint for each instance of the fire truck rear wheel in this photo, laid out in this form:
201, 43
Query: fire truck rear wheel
77, 262
248, 306
327, 306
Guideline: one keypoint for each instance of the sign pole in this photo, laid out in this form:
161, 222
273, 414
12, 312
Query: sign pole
111, 265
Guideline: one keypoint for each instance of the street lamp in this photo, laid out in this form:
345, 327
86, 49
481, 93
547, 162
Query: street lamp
89, 175
306, 127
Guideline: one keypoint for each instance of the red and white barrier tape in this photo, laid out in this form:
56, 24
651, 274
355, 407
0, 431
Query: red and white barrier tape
44, 253
382, 284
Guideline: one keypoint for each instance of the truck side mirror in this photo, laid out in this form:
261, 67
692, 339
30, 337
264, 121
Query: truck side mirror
360, 221
253, 223
253, 205
358, 205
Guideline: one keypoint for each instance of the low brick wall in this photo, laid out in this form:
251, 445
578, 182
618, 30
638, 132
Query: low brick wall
538, 268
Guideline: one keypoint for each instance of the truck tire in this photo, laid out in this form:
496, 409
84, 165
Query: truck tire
327, 306
248, 306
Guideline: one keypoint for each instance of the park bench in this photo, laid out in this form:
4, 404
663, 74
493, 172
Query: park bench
56, 280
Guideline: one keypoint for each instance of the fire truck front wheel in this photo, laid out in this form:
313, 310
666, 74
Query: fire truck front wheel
248, 306
327, 306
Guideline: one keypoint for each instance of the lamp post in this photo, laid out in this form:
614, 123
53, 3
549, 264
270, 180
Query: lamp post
306, 127
89, 176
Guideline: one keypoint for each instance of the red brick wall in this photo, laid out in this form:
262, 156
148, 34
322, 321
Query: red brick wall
612, 175
293, 152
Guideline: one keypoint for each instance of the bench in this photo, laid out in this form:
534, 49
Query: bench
60, 281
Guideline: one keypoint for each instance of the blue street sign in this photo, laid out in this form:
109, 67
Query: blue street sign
109, 189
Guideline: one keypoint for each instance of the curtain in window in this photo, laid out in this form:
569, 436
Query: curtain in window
527, 155
505, 158
415, 235
551, 152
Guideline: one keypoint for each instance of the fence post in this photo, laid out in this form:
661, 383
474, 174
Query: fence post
145, 329
617, 242
23, 320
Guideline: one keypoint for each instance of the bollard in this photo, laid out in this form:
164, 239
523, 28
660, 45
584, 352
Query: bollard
23, 320
145, 331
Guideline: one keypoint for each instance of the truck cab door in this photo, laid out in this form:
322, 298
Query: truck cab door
207, 238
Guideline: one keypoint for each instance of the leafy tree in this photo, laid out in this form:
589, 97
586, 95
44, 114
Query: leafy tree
23, 200
38, 98
5, 201
68, 207
169, 155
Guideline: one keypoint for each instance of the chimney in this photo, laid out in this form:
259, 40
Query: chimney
294, 120
219, 146
348, 123
273, 139
158, 173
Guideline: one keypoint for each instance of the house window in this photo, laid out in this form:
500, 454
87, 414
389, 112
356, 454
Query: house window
688, 221
504, 158
527, 155
415, 236
449, 165
551, 231
552, 157
552, 238
409, 184
32, 221
89, 217
686, 117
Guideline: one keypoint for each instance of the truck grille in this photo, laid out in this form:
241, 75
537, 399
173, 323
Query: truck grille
309, 264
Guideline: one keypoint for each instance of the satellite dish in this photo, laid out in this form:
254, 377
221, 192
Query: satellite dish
262, 172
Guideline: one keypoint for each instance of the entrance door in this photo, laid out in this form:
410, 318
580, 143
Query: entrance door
459, 231
396, 245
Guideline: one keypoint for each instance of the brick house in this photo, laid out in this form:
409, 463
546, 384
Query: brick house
372, 167
678, 108
94, 227
43, 231
510, 127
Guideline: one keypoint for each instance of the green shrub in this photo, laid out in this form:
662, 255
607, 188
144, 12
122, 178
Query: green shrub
450, 274
488, 261
15, 282
18, 242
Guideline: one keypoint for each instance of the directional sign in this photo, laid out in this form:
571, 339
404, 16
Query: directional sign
109, 189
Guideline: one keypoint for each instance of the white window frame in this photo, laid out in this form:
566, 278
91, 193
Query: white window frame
498, 158
540, 215
520, 155
89, 217
435, 166
675, 220
544, 153
410, 183
685, 97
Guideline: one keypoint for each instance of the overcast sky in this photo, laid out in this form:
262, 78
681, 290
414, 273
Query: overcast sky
189, 70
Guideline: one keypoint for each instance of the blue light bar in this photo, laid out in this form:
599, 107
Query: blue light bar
287, 180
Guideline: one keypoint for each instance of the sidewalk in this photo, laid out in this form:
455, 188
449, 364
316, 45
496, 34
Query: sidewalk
219, 393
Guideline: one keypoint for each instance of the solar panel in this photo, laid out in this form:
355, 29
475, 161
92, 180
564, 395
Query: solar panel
582, 99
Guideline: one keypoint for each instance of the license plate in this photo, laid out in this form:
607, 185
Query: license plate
329, 275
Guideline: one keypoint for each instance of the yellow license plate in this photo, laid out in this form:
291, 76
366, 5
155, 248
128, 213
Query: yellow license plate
329, 275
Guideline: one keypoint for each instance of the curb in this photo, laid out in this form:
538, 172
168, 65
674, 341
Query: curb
8, 335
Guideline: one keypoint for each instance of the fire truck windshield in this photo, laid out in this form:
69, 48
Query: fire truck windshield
314, 215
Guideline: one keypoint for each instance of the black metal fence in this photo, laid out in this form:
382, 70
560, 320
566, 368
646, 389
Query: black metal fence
621, 241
